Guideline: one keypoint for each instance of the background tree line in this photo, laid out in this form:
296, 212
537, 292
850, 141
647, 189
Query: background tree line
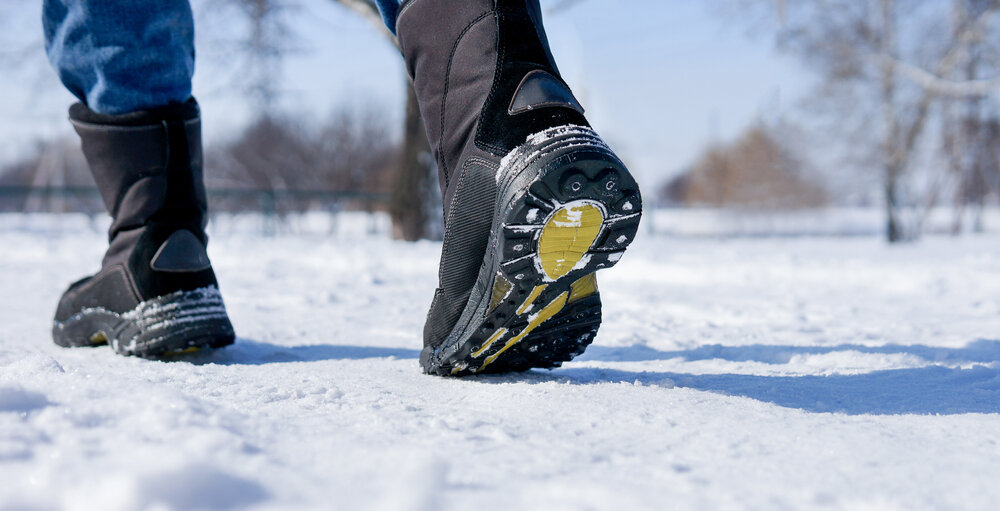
352, 150
905, 109
908, 89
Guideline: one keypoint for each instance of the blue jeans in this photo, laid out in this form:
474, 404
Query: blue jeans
119, 56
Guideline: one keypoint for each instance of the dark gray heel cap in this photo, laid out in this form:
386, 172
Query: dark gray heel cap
540, 89
181, 252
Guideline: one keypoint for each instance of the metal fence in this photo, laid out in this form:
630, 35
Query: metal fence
273, 206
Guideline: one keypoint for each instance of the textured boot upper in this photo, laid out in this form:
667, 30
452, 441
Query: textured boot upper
148, 169
469, 60
146, 164
472, 63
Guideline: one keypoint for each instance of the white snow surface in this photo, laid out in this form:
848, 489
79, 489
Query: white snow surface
756, 373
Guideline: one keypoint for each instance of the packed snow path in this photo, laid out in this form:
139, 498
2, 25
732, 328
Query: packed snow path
729, 374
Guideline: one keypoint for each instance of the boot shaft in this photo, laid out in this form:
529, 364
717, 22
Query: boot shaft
147, 165
484, 76
148, 169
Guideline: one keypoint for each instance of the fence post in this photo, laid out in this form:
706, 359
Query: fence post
266, 198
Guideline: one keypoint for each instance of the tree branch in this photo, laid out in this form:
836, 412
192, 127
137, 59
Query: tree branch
934, 83
941, 86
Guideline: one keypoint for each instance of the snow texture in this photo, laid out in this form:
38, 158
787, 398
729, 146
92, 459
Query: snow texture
758, 373
532, 145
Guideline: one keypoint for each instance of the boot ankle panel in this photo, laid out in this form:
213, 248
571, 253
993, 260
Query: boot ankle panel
471, 61
121, 156
429, 34
467, 59
141, 200
535, 13
522, 50
147, 172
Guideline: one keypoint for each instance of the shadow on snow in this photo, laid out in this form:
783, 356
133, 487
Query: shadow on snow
933, 389
248, 352
984, 351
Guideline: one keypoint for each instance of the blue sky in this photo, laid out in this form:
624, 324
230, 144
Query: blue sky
666, 77
660, 78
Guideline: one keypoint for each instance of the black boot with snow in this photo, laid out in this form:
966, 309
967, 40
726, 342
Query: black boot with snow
535, 202
156, 292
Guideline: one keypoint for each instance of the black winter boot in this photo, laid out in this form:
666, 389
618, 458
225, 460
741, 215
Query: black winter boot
535, 202
156, 293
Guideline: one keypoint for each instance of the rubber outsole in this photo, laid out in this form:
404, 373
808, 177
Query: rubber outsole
176, 323
566, 208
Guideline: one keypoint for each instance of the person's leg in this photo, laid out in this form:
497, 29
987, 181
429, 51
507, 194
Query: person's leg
130, 64
535, 201
119, 56
389, 9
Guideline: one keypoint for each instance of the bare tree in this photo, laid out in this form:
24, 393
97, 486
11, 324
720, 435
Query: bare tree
255, 48
349, 152
893, 62
411, 205
971, 123
412, 188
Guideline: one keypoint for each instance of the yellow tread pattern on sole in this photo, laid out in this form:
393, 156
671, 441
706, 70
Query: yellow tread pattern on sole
583, 287
489, 342
543, 315
501, 288
567, 236
526, 306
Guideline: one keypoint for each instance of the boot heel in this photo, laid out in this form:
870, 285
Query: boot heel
176, 322
571, 200
566, 208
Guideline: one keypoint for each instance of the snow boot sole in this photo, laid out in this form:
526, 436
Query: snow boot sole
566, 207
180, 322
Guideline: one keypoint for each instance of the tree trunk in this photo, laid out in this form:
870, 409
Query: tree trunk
408, 206
409, 203
890, 150
893, 229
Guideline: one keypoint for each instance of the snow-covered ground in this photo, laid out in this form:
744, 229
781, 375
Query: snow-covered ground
776, 373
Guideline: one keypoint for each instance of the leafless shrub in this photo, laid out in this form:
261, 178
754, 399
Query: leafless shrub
755, 172
349, 154
888, 70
